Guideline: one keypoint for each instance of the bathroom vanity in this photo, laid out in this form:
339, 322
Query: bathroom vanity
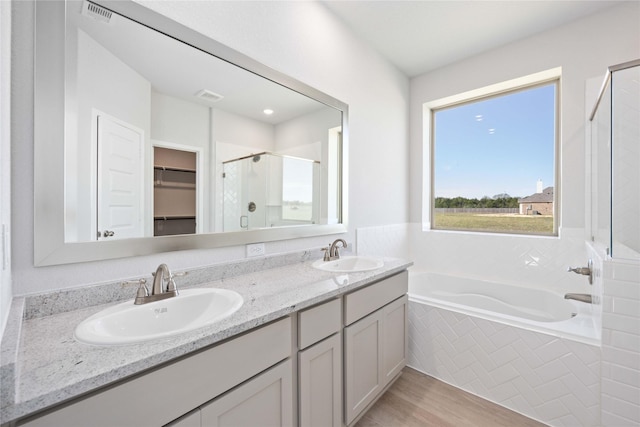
307, 348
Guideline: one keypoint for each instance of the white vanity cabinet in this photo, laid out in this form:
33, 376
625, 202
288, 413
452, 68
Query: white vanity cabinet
166, 394
320, 365
375, 341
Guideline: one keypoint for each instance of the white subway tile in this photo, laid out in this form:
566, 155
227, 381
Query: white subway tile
618, 356
618, 322
621, 408
626, 271
615, 420
624, 306
625, 341
627, 393
623, 375
627, 290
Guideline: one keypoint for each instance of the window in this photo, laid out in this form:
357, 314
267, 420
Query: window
493, 161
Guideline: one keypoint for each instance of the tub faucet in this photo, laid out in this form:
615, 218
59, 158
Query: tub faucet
586, 271
331, 252
580, 297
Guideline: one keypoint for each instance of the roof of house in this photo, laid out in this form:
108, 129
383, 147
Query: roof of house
545, 197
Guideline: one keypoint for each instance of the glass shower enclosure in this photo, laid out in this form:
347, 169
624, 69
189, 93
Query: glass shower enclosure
270, 190
615, 163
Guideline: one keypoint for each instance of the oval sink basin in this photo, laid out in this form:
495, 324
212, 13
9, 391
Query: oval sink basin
127, 323
350, 264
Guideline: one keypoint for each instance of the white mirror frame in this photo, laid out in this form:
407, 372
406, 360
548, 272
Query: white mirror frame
49, 245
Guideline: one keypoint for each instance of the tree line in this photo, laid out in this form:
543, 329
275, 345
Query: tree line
485, 202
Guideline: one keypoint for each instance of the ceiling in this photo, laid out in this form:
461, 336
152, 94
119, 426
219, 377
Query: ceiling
420, 36
176, 69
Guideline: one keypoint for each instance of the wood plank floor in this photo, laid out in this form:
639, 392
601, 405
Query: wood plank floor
419, 400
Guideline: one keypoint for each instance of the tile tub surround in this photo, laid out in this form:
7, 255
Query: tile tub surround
52, 367
547, 378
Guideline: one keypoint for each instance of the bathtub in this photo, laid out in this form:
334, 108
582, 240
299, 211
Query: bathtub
526, 349
535, 309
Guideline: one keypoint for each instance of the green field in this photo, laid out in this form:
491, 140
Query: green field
500, 223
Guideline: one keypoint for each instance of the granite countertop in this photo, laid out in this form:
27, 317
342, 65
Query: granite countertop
51, 367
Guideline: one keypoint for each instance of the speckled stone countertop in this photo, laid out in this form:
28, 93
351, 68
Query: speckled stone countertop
51, 367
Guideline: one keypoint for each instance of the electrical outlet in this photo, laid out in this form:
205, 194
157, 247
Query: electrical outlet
255, 249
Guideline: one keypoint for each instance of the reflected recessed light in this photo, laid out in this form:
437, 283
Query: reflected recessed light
268, 111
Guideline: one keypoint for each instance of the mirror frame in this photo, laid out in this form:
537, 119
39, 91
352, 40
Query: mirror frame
49, 109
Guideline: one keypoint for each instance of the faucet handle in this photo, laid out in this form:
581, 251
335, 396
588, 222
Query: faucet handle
326, 256
142, 291
586, 271
171, 286
140, 282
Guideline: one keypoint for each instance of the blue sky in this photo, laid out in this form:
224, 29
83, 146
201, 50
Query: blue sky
499, 145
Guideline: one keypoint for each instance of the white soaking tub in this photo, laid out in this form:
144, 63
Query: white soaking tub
529, 350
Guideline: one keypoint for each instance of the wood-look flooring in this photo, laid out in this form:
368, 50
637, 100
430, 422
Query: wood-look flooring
417, 400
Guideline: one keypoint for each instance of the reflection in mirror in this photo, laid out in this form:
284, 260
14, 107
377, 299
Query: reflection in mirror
136, 118
269, 190
150, 122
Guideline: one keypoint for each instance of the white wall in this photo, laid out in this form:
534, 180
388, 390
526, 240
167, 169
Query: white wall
99, 72
5, 162
583, 49
303, 135
301, 39
187, 124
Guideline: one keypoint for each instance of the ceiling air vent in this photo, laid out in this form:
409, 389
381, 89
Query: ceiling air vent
96, 12
207, 95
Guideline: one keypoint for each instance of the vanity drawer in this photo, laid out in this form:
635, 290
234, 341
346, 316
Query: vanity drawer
367, 300
317, 323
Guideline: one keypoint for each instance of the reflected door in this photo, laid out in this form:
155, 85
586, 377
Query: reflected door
120, 180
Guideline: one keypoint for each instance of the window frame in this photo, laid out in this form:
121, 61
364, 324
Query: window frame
551, 76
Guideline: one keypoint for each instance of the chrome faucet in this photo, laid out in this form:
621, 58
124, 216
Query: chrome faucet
331, 252
161, 276
580, 297
163, 287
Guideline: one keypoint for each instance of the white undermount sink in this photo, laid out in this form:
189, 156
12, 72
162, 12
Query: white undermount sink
351, 264
127, 323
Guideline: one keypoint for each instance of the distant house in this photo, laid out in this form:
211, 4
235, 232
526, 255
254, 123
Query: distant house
540, 203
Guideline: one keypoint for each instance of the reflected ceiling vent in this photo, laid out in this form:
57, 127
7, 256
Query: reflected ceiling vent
207, 95
96, 12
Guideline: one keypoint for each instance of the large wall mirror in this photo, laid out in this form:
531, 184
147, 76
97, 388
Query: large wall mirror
150, 137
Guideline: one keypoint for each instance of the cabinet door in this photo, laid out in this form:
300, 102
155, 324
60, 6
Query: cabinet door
363, 363
266, 401
320, 377
394, 350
